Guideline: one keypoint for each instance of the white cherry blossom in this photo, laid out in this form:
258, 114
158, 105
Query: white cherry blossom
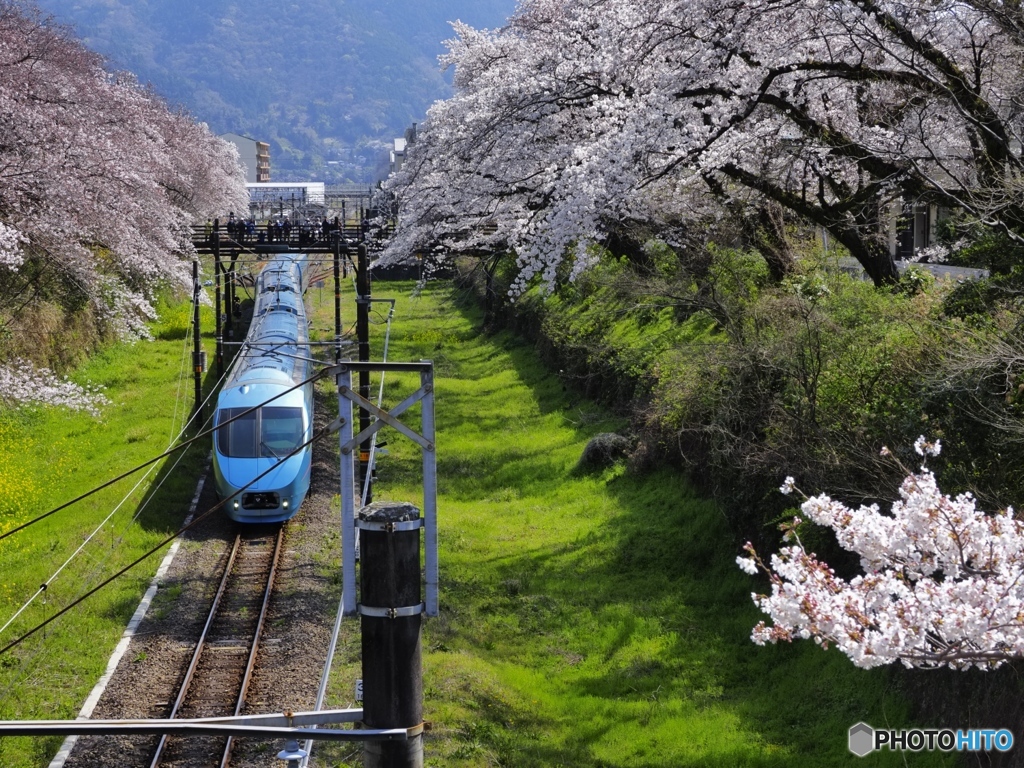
942, 582
99, 183
580, 115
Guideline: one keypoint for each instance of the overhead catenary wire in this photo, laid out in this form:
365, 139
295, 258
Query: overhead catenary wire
74, 555
195, 521
201, 436
182, 449
88, 578
88, 539
179, 448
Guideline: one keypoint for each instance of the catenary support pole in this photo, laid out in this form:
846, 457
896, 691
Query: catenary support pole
391, 613
229, 299
337, 292
197, 344
217, 267
363, 333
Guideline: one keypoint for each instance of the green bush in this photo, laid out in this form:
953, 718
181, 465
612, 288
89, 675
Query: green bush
734, 376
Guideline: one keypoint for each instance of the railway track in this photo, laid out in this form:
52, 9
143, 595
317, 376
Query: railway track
217, 678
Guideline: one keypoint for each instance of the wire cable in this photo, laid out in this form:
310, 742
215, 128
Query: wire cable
151, 494
74, 555
195, 521
201, 436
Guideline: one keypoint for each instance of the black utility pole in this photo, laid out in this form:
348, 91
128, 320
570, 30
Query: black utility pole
363, 335
391, 611
344, 224
197, 344
337, 291
229, 299
216, 290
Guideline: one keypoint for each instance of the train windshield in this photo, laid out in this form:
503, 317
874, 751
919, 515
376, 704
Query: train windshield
272, 431
280, 430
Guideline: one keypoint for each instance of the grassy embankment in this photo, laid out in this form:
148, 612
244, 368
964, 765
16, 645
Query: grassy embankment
589, 619
50, 456
586, 619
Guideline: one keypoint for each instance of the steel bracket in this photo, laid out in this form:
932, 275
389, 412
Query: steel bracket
348, 399
389, 613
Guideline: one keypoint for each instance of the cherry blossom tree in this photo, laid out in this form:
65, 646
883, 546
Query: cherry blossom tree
99, 183
943, 582
581, 114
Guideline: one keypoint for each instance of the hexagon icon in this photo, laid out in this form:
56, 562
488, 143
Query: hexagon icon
862, 739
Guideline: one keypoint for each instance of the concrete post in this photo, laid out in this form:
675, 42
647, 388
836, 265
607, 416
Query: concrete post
391, 613
197, 345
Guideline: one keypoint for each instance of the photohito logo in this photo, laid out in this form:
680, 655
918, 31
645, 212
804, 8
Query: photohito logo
863, 740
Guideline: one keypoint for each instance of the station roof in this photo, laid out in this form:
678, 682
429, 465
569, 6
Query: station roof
313, 191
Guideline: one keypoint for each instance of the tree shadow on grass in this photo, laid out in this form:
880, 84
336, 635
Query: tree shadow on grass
644, 615
658, 625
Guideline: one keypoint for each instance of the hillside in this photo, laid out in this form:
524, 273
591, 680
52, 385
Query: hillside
321, 81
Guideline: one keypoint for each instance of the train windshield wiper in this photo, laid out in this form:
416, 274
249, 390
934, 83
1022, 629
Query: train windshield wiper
275, 454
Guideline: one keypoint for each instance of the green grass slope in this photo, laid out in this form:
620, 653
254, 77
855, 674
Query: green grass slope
47, 458
589, 619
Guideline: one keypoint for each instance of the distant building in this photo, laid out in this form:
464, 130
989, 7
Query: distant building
400, 147
915, 228
255, 155
398, 155
294, 199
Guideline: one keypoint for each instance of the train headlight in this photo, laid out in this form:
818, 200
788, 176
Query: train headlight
284, 504
235, 503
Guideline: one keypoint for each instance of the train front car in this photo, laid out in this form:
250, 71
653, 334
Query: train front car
261, 424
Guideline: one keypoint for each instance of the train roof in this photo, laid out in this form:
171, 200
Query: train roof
280, 285
276, 348
277, 342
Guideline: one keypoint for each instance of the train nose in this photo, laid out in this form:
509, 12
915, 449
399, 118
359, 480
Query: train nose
241, 473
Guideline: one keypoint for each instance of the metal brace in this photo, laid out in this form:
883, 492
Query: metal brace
389, 613
390, 527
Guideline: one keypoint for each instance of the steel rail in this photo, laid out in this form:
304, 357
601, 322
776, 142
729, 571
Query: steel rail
198, 652
201, 645
257, 636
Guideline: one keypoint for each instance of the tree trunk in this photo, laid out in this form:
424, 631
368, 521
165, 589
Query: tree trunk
872, 254
768, 235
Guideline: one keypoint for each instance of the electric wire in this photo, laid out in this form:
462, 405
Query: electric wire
186, 444
91, 575
74, 555
201, 436
81, 548
195, 521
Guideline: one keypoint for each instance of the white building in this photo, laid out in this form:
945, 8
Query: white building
255, 155
400, 147
295, 199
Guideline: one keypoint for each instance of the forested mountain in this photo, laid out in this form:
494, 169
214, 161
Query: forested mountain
321, 80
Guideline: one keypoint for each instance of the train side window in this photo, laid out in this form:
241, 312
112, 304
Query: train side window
237, 439
280, 430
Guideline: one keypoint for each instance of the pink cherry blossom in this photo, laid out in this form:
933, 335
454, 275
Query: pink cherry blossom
100, 182
942, 582
580, 117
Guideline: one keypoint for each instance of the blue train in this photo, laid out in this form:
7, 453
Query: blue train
274, 358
